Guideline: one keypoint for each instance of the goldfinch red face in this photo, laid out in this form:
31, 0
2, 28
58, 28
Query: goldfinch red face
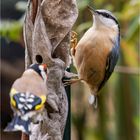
43, 67
43, 71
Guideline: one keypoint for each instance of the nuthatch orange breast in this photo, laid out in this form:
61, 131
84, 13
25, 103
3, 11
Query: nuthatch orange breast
27, 98
96, 54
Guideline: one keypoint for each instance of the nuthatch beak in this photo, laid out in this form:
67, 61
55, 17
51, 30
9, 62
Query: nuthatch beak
91, 10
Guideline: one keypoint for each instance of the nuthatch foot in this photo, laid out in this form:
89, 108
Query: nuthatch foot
96, 54
27, 98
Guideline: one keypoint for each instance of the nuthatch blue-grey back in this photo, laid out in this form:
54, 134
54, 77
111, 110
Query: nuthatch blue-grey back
96, 54
27, 98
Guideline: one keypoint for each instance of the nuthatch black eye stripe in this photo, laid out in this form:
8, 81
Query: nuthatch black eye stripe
107, 15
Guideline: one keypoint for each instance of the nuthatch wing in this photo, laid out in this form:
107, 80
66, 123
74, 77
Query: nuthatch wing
27, 98
96, 54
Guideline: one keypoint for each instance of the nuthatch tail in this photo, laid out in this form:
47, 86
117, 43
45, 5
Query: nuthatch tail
27, 98
96, 54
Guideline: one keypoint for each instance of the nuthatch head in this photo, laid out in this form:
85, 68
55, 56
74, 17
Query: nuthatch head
96, 54
103, 18
27, 98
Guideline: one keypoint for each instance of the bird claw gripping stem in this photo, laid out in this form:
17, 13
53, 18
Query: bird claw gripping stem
69, 78
71, 81
73, 41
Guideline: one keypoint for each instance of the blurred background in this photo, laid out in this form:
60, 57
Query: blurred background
118, 114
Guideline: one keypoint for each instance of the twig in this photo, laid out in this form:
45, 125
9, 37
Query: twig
127, 70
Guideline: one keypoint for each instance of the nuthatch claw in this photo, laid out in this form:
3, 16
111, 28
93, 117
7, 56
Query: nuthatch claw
27, 98
71, 81
70, 75
97, 52
73, 41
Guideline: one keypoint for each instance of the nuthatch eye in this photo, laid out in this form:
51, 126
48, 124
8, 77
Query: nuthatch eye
27, 98
96, 54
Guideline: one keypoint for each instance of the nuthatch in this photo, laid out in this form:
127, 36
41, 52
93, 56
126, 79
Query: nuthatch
27, 98
96, 54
